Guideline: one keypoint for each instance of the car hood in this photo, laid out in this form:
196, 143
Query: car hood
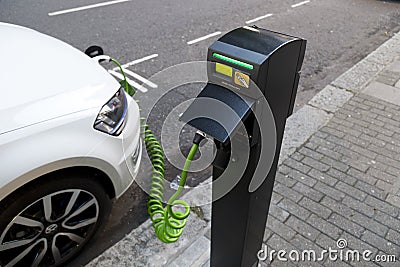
43, 78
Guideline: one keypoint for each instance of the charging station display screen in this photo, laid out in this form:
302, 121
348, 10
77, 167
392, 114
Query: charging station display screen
233, 61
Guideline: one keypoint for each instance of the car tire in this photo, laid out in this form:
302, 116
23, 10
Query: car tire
48, 222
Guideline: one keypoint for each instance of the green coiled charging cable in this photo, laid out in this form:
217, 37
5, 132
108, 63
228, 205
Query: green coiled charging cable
167, 223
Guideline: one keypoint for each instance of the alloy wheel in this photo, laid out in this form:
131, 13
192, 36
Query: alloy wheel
49, 231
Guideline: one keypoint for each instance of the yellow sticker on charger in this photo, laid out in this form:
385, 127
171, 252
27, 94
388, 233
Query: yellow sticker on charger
242, 79
223, 69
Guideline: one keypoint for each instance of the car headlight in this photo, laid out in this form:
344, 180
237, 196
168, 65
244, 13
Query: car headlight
111, 118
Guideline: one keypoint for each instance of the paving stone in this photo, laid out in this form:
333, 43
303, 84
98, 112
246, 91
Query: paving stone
278, 243
280, 228
303, 178
315, 207
394, 200
371, 189
379, 242
278, 212
393, 236
329, 152
359, 206
344, 122
357, 243
332, 131
342, 176
303, 228
356, 140
285, 179
388, 161
325, 241
382, 206
391, 222
370, 224
351, 191
374, 104
366, 114
297, 156
310, 153
284, 169
373, 140
384, 186
325, 227
388, 120
328, 190
294, 208
387, 77
362, 176
333, 163
315, 164
320, 142
355, 130
360, 163
385, 92
304, 244
323, 177
267, 234
364, 152
276, 198
346, 225
287, 192
337, 207
311, 145
297, 165
379, 129
393, 171
308, 191
321, 134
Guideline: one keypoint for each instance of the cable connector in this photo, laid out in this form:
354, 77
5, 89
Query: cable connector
102, 58
198, 137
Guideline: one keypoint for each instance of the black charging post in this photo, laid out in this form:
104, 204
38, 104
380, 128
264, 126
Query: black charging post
246, 65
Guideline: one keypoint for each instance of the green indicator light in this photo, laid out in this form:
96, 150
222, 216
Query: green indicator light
233, 61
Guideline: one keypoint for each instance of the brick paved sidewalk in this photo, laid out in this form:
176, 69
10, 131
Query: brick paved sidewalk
338, 179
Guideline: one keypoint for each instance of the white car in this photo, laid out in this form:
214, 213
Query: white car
69, 144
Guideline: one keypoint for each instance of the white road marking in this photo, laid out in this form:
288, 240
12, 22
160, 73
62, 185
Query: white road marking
204, 38
136, 61
133, 83
301, 3
86, 7
140, 78
258, 18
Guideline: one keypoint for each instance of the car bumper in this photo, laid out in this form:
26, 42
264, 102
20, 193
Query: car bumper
131, 152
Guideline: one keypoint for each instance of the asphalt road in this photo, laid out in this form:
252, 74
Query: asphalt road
339, 34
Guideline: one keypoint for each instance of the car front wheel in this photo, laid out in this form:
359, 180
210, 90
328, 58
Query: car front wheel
47, 224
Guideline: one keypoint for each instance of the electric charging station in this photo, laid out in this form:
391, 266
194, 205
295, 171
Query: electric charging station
247, 64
